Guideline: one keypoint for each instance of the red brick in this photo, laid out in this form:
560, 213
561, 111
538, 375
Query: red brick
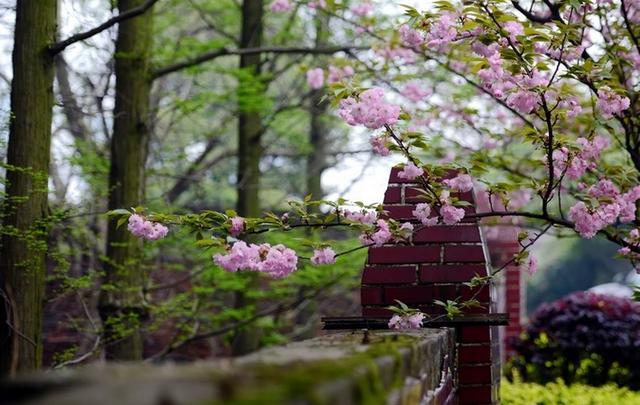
474, 354
370, 295
465, 254
474, 375
393, 176
399, 212
445, 233
474, 395
414, 195
404, 254
474, 334
392, 195
376, 312
479, 293
408, 295
444, 292
389, 275
450, 273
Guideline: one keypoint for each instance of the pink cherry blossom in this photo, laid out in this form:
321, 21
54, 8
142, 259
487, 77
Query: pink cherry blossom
362, 9
315, 78
364, 217
145, 229
237, 226
378, 238
280, 6
514, 29
611, 103
337, 73
277, 261
422, 212
370, 110
379, 145
462, 183
317, 4
410, 37
323, 256
414, 92
410, 172
412, 321
451, 215
524, 101
442, 32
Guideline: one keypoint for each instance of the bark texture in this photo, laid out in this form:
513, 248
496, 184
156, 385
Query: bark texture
121, 306
23, 250
250, 147
250, 152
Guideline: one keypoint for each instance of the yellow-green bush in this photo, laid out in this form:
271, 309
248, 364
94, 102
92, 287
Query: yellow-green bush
558, 393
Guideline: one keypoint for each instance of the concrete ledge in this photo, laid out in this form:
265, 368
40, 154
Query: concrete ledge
341, 368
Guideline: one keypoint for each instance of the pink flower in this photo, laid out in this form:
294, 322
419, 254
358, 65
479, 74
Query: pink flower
142, 228
442, 32
413, 321
533, 265
237, 226
323, 256
381, 236
422, 212
610, 103
370, 110
280, 6
379, 145
363, 9
337, 73
462, 183
524, 101
406, 230
410, 172
315, 78
414, 92
514, 29
451, 215
624, 251
364, 217
276, 261
410, 37
586, 224
317, 4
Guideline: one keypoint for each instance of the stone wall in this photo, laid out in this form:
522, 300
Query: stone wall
343, 368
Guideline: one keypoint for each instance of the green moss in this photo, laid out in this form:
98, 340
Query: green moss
311, 380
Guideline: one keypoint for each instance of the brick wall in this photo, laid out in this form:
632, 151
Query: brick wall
434, 266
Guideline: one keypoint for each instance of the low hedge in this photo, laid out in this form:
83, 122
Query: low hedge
558, 393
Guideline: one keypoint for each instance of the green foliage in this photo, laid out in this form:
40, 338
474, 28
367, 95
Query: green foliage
557, 393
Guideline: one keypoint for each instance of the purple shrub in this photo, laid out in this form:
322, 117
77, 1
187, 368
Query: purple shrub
583, 337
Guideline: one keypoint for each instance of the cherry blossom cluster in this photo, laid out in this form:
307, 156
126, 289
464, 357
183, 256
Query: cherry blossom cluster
369, 109
277, 261
142, 228
315, 76
280, 6
614, 206
584, 160
408, 321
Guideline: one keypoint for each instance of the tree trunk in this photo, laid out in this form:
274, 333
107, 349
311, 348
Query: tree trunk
250, 147
24, 234
317, 158
121, 305
250, 152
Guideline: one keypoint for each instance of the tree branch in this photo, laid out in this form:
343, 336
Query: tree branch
207, 56
134, 12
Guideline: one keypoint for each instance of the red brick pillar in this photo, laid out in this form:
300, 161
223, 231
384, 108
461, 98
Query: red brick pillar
434, 267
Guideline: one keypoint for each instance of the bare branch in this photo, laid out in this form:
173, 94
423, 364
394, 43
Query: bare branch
134, 12
205, 57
